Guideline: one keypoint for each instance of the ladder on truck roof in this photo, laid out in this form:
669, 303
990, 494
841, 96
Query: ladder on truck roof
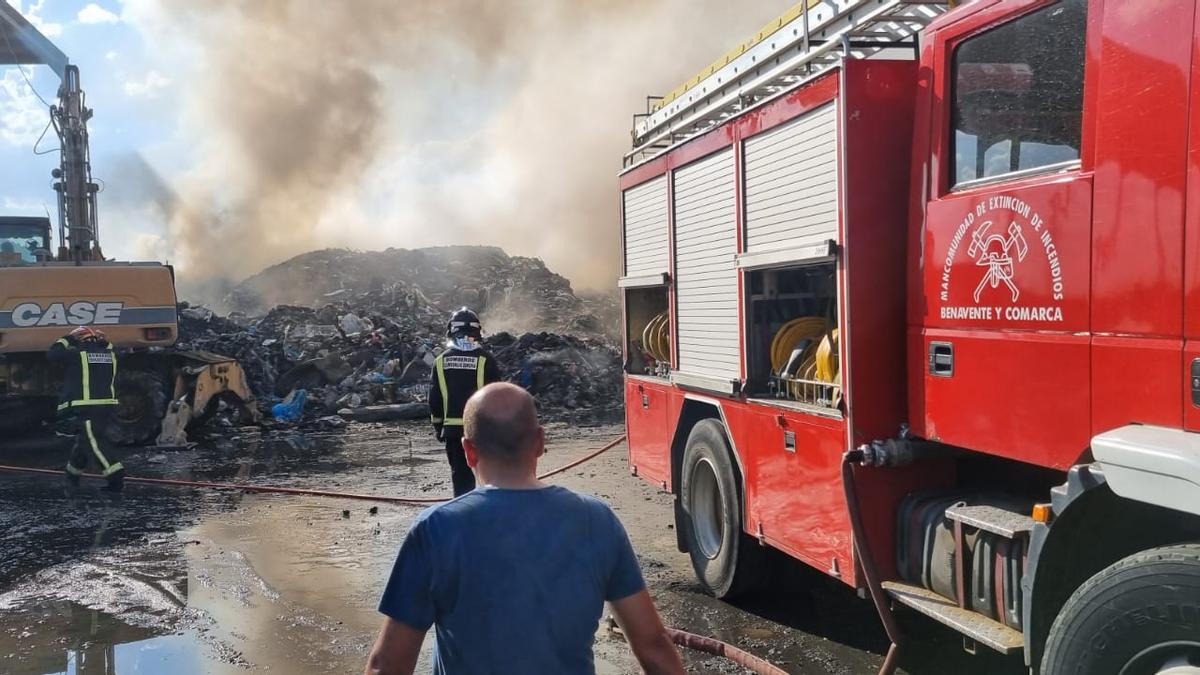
809, 39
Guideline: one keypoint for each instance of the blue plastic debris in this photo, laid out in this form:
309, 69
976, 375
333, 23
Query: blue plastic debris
291, 408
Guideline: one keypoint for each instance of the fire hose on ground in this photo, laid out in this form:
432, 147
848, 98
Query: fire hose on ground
274, 489
715, 647
679, 637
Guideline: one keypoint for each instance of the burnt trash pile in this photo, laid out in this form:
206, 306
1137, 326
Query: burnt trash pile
514, 293
573, 378
354, 334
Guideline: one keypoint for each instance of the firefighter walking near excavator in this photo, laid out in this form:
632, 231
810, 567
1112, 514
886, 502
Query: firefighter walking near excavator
458, 372
88, 401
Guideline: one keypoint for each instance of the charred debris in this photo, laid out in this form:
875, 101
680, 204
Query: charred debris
336, 335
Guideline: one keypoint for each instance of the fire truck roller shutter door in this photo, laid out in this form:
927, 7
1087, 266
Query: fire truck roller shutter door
645, 227
707, 327
792, 185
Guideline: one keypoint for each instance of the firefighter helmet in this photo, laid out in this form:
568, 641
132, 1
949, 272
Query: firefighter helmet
88, 334
464, 322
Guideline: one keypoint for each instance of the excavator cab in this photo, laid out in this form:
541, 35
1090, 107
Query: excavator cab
24, 240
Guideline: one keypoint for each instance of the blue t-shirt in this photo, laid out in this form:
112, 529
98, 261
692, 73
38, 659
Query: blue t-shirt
514, 580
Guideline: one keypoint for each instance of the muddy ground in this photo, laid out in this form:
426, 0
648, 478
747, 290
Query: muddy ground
181, 581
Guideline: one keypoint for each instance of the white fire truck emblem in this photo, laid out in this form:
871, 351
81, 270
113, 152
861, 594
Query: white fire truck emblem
994, 251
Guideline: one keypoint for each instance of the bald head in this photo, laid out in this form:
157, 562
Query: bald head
501, 421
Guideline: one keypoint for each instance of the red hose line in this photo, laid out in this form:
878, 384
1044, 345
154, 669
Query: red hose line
271, 489
866, 562
612, 444
244, 487
724, 650
715, 647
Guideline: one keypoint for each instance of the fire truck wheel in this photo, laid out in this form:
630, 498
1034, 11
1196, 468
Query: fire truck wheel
1140, 616
722, 555
143, 399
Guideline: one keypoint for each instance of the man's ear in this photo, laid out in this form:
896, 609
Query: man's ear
471, 452
541, 441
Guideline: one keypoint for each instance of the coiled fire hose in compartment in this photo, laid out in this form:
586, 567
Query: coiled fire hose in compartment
818, 359
656, 338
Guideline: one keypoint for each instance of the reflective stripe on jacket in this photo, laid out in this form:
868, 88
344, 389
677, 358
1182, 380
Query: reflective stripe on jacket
89, 373
456, 375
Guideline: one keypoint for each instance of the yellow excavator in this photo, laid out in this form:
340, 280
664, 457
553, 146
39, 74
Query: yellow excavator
48, 287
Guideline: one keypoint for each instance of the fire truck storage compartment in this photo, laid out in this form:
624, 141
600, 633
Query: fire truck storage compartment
647, 331
792, 336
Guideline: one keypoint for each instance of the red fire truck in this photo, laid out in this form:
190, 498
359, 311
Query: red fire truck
912, 295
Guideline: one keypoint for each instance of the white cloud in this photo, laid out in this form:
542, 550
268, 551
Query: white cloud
32, 14
110, 55
94, 13
26, 206
148, 87
22, 115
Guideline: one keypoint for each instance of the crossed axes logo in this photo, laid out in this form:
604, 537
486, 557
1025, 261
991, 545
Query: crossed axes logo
995, 252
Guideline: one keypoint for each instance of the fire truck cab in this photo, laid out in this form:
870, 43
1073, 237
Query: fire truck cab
958, 248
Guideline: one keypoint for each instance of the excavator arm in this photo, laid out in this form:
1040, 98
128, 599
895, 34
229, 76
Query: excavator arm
21, 44
43, 296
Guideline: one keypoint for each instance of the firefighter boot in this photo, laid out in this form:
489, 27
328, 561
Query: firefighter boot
72, 475
116, 481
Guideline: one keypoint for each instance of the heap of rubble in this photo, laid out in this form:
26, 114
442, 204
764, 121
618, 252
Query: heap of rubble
517, 294
359, 330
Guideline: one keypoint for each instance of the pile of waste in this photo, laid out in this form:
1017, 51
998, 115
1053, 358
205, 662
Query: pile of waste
515, 294
364, 350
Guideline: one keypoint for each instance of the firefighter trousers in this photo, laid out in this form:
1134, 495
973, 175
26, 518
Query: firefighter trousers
88, 426
460, 473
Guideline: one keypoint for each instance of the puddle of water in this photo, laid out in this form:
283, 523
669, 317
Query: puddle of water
69, 638
179, 581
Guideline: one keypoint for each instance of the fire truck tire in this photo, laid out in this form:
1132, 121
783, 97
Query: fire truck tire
143, 400
725, 559
1139, 615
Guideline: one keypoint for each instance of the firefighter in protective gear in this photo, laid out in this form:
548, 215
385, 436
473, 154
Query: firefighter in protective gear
458, 372
88, 401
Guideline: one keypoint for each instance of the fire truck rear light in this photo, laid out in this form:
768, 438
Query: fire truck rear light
1042, 513
156, 334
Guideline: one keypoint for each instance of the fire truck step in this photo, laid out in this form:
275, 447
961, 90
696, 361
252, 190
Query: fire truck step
1007, 524
976, 626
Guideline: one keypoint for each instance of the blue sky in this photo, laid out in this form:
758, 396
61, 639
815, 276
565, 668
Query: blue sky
125, 87
122, 84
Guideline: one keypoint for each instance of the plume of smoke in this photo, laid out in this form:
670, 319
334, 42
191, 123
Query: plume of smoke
376, 122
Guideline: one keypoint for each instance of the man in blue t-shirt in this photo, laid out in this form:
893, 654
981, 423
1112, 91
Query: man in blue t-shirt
514, 575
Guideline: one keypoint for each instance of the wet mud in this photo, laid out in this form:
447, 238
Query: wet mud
182, 580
